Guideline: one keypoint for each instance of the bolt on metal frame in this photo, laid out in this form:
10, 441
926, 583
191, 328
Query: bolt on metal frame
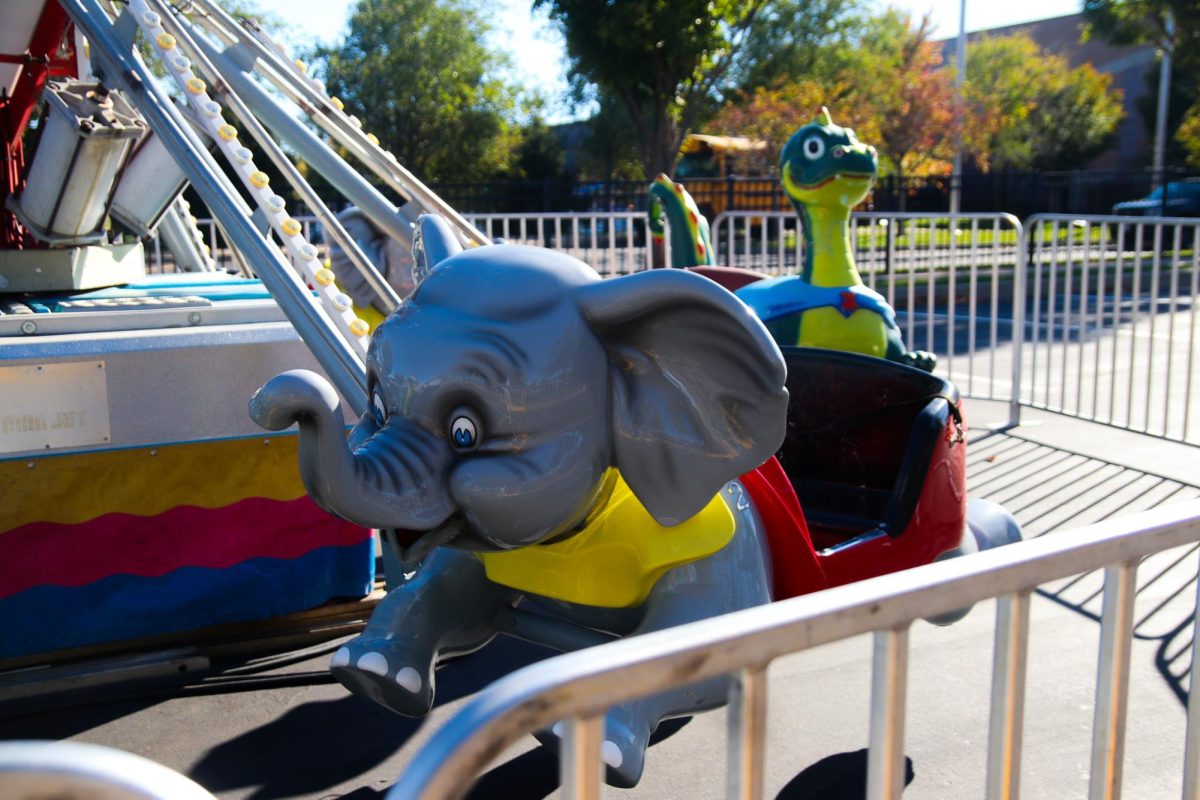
578, 688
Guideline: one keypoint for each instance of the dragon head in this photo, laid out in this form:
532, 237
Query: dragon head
826, 165
691, 243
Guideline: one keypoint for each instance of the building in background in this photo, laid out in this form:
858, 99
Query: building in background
1130, 67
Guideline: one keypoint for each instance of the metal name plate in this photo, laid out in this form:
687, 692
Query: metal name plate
50, 406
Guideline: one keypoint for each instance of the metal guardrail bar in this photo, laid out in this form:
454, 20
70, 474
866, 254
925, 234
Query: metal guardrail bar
586, 683
1191, 747
1112, 684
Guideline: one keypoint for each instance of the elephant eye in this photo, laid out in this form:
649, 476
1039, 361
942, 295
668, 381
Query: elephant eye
380, 409
463, 433
814, 147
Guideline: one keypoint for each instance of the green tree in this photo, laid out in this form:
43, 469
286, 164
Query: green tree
1173, 26
663, 62
609, 149
906, 108
418, 75
538, 153
1188, 136
1027, 109
789, 40
909, 94
773, 115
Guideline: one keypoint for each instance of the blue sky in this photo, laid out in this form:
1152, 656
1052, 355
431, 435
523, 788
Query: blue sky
536, 51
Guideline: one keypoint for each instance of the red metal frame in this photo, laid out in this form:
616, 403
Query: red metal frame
51, 53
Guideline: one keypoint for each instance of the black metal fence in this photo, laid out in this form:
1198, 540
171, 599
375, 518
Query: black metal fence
1018, 193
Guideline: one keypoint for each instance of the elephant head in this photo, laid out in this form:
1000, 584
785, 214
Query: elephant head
513, 378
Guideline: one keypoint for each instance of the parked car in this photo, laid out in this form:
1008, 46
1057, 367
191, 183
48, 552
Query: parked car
1182, 200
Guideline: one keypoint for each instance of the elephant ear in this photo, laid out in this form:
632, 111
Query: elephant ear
433, 242
697, 386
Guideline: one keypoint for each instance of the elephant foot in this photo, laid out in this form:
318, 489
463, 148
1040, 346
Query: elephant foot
387, 673
622, 750
989, 525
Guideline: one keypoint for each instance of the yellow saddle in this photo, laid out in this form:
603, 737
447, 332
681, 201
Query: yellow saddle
618, 556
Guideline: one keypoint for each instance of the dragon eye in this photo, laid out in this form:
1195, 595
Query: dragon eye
814, 147
463, 433
379, 408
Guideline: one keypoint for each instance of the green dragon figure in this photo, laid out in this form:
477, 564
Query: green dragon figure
826, 171
690, 242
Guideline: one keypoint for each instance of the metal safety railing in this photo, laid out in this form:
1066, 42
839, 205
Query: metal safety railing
578, 688
611, 242
1110, 333
1094, 317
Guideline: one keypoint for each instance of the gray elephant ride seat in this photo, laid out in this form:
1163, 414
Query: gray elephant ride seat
592, 458
539, 437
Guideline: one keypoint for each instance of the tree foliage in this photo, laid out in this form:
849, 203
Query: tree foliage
419, 76
1188, 135
909, 93
789, 40
888, 84
1173, 26
774, 114
1024, 107
1146, 22
1027, 109
538, 153
663, 62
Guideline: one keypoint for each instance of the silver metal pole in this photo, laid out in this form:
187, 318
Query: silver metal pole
747, 735
1112, 682
121, 68
1160, 119
377, 208
1191, 747
580, 761
961, 53
889, 689
1008, 697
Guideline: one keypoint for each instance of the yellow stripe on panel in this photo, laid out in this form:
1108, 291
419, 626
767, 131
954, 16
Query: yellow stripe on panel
70, 489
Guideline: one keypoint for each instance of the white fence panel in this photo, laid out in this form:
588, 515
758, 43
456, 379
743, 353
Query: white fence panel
1111, 331
611, 242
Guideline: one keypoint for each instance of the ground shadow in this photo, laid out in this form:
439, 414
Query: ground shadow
534, 774
318, 745
841, 776
31, 722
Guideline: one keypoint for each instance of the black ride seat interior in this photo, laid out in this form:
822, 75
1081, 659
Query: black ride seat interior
860, 435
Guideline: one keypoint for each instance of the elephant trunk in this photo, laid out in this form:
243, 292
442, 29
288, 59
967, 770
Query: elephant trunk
392, 480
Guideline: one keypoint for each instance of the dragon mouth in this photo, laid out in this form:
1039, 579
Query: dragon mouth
853, 177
